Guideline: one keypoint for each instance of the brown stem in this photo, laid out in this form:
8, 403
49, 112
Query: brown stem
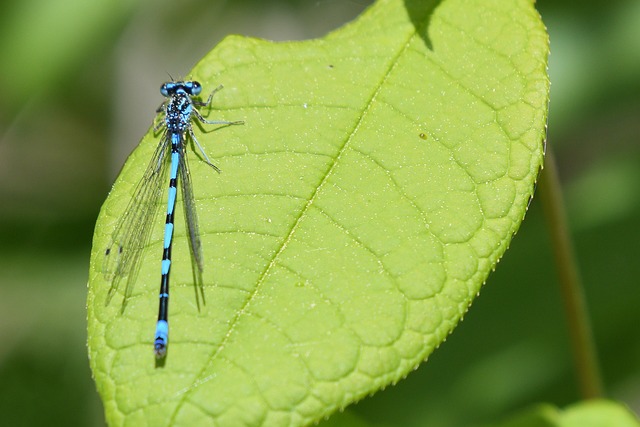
584, 351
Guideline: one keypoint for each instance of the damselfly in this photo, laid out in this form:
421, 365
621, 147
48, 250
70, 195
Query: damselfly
133, 230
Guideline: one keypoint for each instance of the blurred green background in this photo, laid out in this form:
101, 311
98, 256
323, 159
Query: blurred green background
79, 86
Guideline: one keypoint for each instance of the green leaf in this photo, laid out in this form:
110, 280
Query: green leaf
594, 413
379, 178
598, 413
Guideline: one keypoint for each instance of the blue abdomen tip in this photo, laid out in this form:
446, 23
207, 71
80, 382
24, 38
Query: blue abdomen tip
162, 336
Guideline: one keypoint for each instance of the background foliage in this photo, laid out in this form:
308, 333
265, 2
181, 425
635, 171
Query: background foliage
80, 85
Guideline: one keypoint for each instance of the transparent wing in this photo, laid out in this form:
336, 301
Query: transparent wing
190, 214
191, 221
133, 230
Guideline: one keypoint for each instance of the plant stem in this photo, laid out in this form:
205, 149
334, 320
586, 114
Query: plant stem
584, 351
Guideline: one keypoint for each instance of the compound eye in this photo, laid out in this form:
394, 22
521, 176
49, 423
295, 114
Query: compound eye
164, 89
196, 88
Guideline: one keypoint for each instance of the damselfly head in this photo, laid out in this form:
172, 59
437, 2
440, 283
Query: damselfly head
191, 88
